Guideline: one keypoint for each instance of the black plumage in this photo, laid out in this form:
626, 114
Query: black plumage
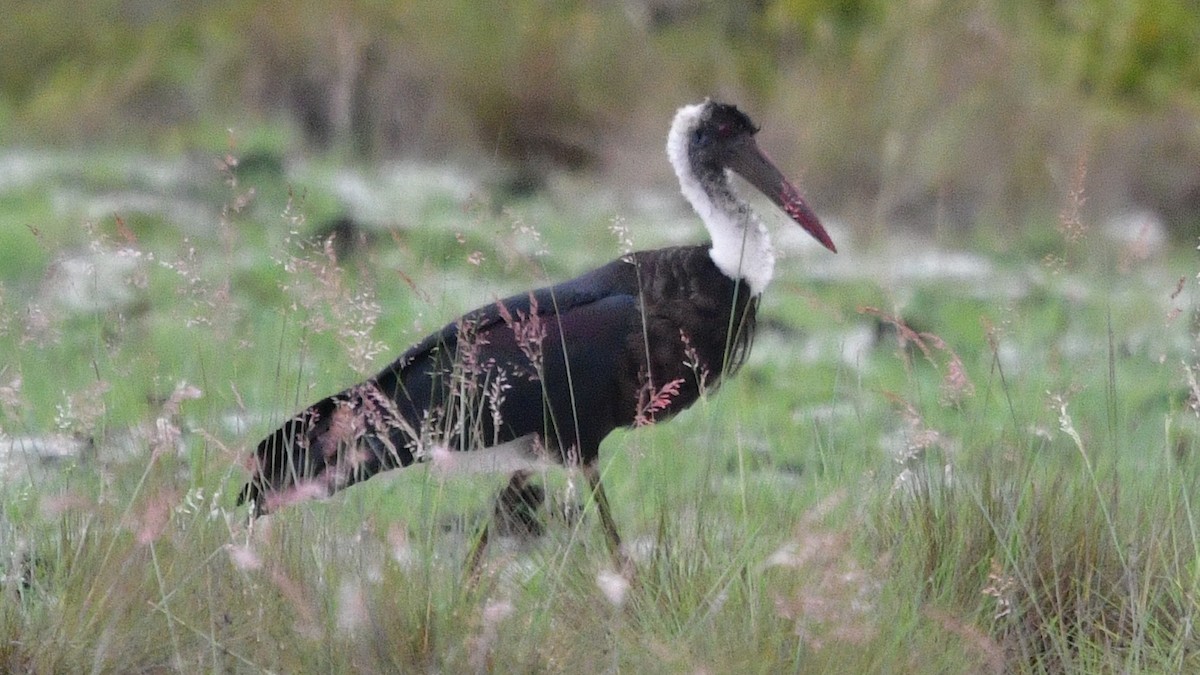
556, 369
505, 362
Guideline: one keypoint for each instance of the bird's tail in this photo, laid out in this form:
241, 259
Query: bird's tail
332, 444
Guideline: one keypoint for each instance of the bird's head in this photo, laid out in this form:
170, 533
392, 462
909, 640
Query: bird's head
719, 137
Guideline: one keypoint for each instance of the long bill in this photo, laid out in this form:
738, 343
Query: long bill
752, 164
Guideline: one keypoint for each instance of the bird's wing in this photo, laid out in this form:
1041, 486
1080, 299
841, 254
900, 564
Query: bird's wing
558, 348
370, 427
617, 278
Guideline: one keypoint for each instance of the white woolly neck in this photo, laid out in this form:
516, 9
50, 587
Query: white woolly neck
741, 247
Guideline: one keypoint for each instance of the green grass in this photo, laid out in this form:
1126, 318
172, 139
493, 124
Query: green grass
819, 513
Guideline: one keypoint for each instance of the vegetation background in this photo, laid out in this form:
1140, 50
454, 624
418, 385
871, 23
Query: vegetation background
968, 443
971, 112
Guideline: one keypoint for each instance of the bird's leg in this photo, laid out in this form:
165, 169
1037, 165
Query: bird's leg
610, 527
514, 514
475, 557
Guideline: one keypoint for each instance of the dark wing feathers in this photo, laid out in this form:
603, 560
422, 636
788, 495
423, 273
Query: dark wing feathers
370, 427
616, 278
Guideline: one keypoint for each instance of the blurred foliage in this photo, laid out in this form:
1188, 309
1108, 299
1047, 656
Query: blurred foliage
943, 112
1142, 53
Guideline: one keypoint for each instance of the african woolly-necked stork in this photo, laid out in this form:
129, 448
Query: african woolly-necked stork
553, 371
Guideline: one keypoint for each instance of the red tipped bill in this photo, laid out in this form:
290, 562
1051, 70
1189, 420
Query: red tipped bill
752, 164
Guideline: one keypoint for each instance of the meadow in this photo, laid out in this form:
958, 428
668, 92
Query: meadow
947, 453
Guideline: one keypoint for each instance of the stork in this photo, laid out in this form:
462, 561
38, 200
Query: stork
549, 373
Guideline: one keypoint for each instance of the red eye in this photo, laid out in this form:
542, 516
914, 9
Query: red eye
723, 129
